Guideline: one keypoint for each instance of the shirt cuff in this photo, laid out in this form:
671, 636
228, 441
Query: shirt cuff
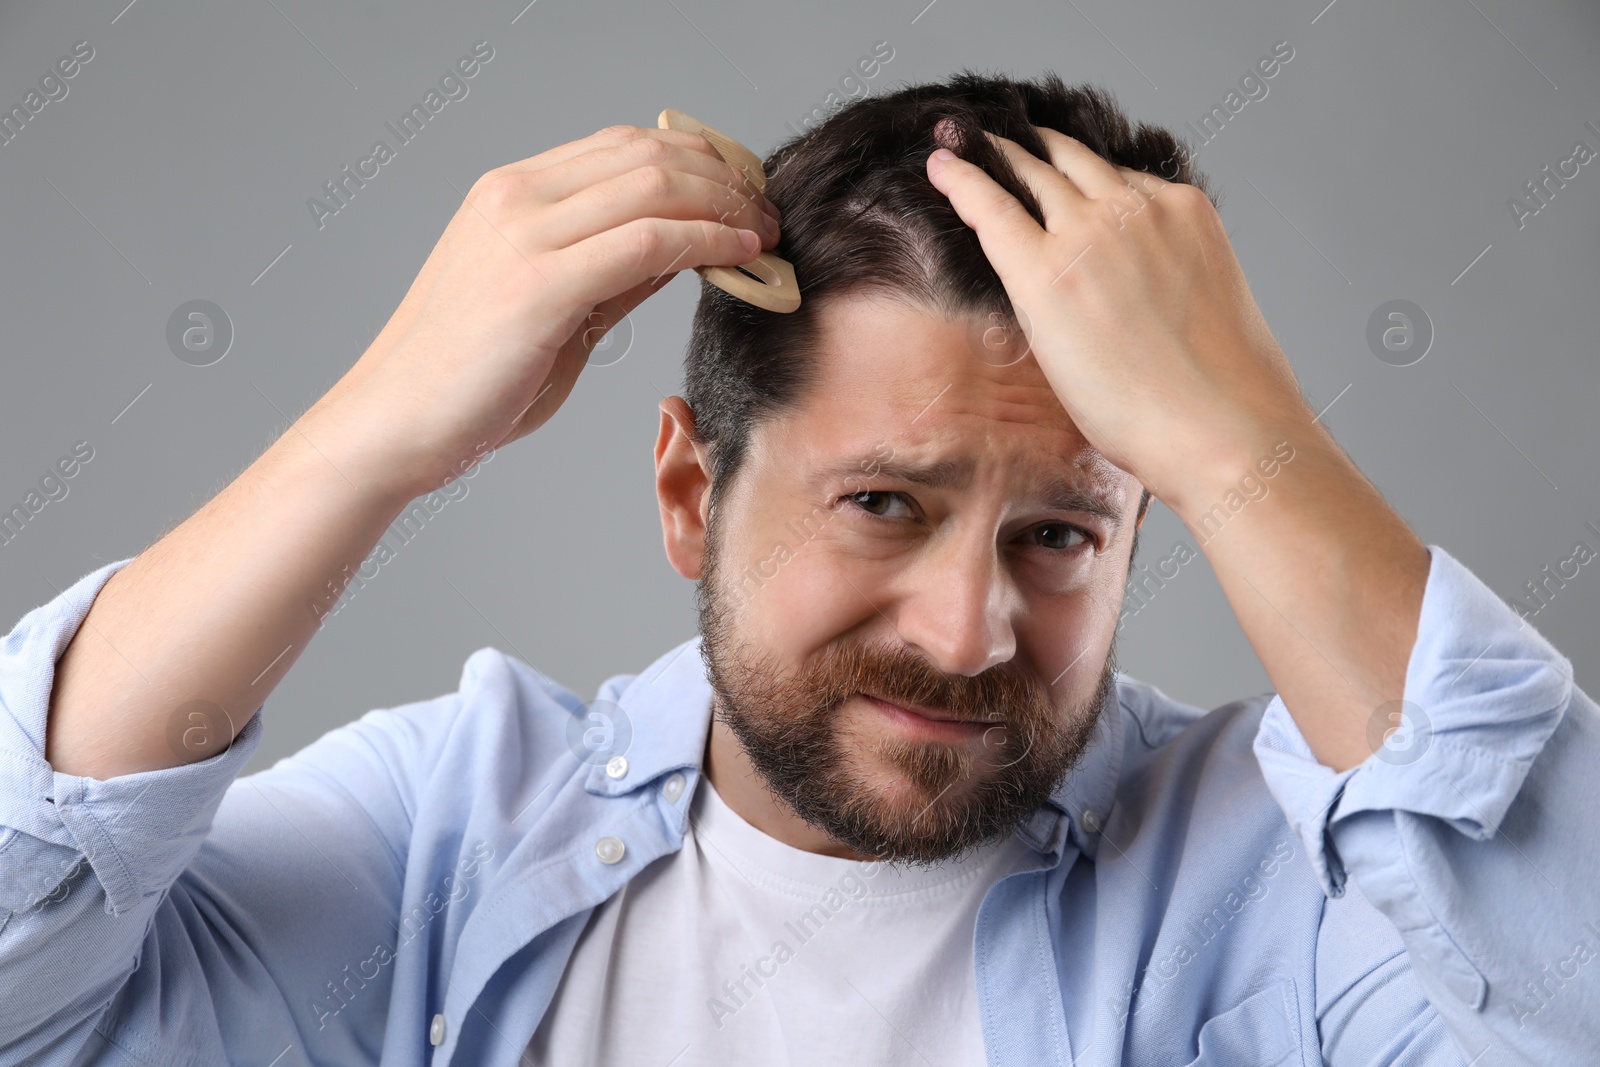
1483, 693
136, 832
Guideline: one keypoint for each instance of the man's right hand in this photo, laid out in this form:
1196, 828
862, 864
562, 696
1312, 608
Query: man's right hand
543, 257
540, 260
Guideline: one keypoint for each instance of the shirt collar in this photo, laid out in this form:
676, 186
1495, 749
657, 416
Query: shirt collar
668, 710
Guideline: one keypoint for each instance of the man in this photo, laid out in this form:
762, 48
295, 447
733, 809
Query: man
894, 804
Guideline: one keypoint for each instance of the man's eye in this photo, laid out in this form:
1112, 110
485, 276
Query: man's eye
1059, 535
876, 501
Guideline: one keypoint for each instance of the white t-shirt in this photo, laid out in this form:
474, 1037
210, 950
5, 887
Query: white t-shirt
741, 949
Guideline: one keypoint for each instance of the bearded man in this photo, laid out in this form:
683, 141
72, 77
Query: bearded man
894, 803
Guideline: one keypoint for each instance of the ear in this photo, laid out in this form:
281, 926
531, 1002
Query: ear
1145, 513
683, 488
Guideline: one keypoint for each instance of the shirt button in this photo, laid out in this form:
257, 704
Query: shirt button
616, 766
609, 849
672, 788
1091, 820
436, 1031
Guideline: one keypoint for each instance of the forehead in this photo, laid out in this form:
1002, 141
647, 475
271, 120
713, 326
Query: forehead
895, 374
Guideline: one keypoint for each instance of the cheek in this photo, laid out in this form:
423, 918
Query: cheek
1070, 630
797, 592
1069, 637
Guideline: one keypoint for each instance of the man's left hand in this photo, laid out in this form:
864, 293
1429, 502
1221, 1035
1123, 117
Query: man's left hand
1136, 308
1138, 313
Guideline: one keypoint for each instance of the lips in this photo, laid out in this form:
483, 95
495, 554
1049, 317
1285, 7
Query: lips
935, 714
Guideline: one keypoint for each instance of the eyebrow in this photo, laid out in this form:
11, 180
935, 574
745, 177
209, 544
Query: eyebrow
1055, 491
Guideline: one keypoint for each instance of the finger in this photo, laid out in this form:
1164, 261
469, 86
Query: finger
688, 151
1057, 196
611, 137
1088, 171
1008, 234
578, 172
642, 250
656, 192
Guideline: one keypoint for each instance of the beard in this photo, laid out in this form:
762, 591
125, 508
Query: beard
938, 800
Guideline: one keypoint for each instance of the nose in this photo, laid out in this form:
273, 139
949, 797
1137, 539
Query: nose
959, 607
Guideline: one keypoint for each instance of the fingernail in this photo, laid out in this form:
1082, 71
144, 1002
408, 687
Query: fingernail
771, 224
750, 240
943, 154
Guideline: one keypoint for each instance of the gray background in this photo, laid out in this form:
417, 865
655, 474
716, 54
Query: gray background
1377, 167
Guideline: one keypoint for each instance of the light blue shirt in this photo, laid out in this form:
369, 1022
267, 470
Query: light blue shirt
407, 890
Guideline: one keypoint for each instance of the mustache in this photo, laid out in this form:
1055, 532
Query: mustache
1004, 693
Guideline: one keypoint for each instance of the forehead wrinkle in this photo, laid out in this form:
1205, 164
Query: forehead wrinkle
929, 393
874, 352
1004, 395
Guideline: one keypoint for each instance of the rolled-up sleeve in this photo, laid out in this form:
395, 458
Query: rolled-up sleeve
136, 831
1471, 829
181, 916
71, 847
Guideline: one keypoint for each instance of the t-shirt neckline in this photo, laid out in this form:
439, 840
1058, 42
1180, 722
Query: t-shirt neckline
764, 860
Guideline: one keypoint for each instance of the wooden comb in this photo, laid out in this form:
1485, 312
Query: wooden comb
768, 280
